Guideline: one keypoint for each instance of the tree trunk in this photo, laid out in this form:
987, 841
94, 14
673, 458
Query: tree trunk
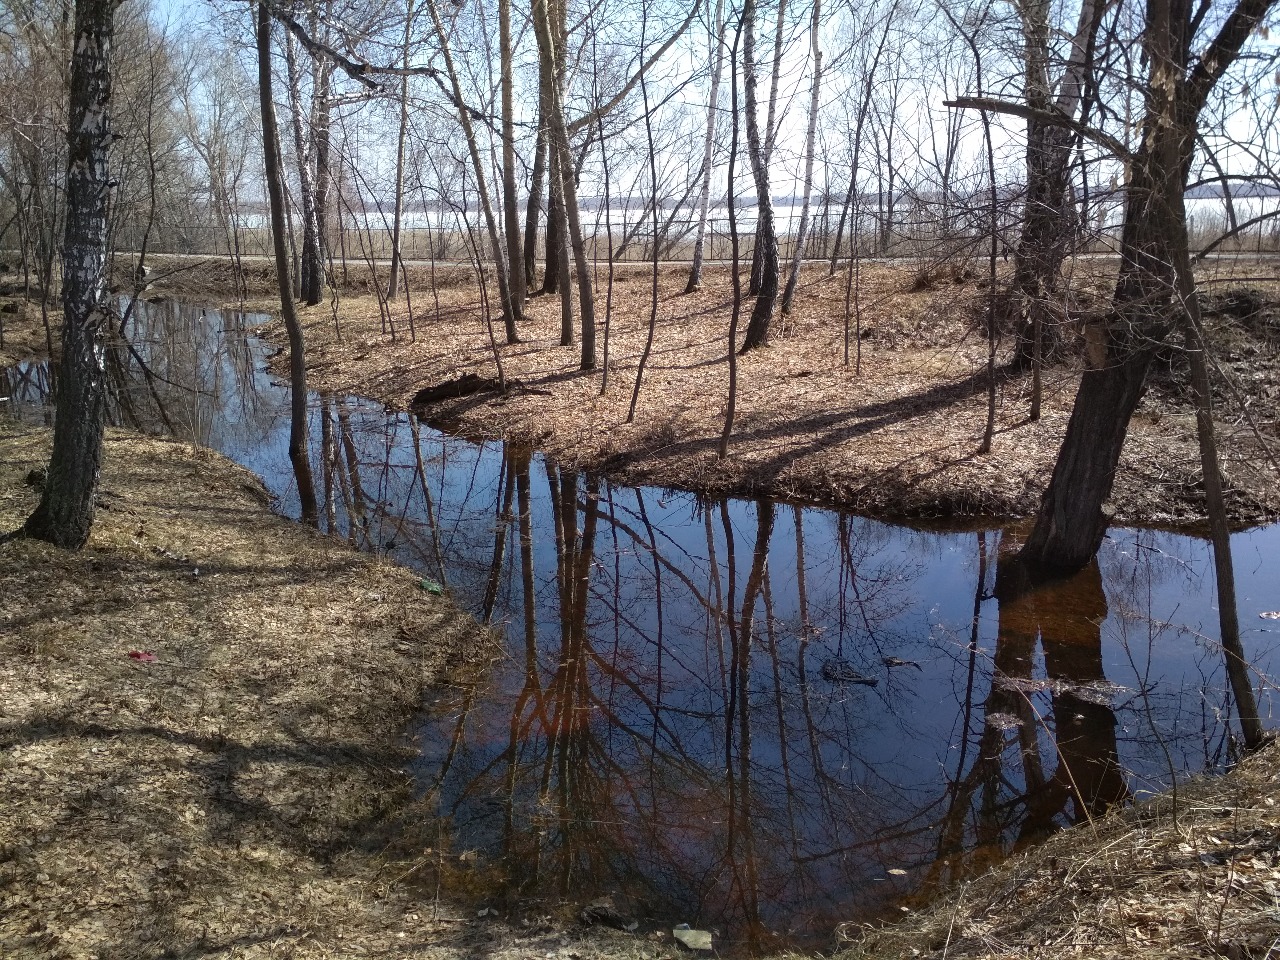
708, 148
554, 240
397, 216
558, 279
65, 513
559, 142
478, 169
320, 136
811, 134
510, 201
298, 443
311, 285
1224, 569
534, 206
1047, 225
1072, 521
757, 334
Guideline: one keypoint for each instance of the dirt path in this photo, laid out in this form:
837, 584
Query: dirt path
895, 439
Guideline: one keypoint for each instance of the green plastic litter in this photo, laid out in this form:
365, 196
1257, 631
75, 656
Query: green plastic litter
430, 586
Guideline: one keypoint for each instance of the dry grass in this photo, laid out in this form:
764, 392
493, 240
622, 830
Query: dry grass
226, 798
1191, 874
898, 439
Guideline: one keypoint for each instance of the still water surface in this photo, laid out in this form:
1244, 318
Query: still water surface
745, 715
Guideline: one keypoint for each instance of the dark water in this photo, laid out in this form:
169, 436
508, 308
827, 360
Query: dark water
744, 715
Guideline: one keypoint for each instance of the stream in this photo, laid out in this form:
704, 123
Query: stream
757, 718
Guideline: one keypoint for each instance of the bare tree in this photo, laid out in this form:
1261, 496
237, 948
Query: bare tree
298, 439
757, 334
65, 513
549, 53
1072, 521
397, 259
708, 146
815, 88
478, 169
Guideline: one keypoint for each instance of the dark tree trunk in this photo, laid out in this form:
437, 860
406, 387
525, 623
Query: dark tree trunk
65, 513
534, 207
1048, 224
1042, 245
510, 202
298, 454
555, 235
1072, 521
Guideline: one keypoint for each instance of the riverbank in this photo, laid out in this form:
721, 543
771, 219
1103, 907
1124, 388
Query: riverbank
201, 748
1191, 873
201, 722
894, 438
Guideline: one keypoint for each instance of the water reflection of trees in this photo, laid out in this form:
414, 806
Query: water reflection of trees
1045, 752
670, 734
687, 717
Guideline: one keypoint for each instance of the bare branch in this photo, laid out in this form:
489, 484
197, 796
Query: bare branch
1234, 231
1225, 48
594, 116
1051, 117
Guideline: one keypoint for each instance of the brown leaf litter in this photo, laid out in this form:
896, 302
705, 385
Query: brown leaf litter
1190, 873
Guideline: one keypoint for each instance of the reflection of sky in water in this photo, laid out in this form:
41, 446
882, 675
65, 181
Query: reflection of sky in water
619, 764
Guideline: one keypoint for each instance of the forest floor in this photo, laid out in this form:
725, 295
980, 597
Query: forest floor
894, 438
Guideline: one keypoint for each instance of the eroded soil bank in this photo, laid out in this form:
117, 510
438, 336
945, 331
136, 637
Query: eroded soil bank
895, 437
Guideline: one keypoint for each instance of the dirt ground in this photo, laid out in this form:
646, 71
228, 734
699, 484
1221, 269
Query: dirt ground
22, 334
895, 439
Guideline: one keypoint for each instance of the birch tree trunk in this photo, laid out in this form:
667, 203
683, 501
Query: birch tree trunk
708, 148
757, 334
321, 81
65, 513
810, 136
